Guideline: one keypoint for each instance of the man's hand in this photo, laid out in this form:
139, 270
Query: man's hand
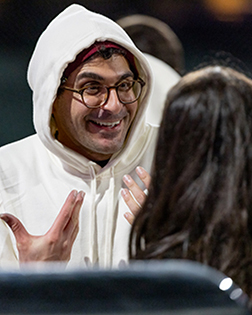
135, 196
56, 244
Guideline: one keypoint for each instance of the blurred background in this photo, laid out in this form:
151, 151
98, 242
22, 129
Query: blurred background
206, 29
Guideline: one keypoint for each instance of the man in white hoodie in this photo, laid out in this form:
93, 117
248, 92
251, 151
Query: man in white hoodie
89, 116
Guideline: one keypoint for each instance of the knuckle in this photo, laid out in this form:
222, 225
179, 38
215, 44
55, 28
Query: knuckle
140, 197
53, 239
65, 245
66, 215
15, 227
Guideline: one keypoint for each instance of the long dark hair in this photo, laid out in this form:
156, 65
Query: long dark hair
199, 205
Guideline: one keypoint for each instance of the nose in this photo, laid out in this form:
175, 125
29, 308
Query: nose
113, 103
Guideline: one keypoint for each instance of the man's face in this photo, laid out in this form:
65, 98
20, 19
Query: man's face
100, 132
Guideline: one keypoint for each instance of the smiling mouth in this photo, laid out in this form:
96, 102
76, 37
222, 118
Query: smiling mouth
107, 124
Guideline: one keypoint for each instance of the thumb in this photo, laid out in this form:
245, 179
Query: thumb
16, 226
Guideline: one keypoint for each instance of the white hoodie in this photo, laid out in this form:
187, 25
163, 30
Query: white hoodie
38, 172
165, 77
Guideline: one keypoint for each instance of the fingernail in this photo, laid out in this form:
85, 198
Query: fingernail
82, 194
75, 193
127, 178
124, 192
126, 215
139, 170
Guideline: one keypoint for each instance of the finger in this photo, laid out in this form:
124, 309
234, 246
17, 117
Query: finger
129, 217
144, 176
16, 226
129, 200
74, 219
68, 244
65, 213
136, 191
74, 234
78, 205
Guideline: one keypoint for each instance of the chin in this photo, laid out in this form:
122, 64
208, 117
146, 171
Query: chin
111, 147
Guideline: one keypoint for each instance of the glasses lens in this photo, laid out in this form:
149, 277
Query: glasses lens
94, 95
129, 91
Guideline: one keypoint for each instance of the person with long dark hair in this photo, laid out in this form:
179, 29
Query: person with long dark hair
199, 205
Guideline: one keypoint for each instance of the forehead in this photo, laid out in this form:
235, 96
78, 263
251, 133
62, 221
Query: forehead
114, 67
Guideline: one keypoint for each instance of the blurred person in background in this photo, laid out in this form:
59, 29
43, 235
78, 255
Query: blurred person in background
165, 53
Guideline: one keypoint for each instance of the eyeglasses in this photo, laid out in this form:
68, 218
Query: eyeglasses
95, 95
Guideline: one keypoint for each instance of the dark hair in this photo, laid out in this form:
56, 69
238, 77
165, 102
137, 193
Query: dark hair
108, 52
199, 205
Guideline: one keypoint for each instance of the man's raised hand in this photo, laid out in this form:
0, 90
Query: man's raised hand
56, 244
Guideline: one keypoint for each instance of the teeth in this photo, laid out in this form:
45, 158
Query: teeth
107, 124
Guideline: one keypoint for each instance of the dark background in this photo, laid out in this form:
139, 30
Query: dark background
204, 30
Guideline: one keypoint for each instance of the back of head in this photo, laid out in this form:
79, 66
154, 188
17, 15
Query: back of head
156, 38
200, 200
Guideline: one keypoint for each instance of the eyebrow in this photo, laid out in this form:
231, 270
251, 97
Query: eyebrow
95, 76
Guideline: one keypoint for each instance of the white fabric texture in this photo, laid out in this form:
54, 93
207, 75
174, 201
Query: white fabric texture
38, 172
164, 78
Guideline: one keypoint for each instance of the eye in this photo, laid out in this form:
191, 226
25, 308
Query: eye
93, 89
125, 86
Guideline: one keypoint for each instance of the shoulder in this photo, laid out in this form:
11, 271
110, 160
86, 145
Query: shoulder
22, 144
20, 153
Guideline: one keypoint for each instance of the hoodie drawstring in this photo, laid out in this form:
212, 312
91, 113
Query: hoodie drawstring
110, 221
93, 248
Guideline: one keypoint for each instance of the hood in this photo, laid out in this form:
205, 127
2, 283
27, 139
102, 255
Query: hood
73, 30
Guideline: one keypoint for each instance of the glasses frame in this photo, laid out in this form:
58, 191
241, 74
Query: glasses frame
81, 91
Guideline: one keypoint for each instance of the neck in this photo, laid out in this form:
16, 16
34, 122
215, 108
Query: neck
102, 163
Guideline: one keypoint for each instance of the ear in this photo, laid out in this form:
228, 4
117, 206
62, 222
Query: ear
54, 106
53, 125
